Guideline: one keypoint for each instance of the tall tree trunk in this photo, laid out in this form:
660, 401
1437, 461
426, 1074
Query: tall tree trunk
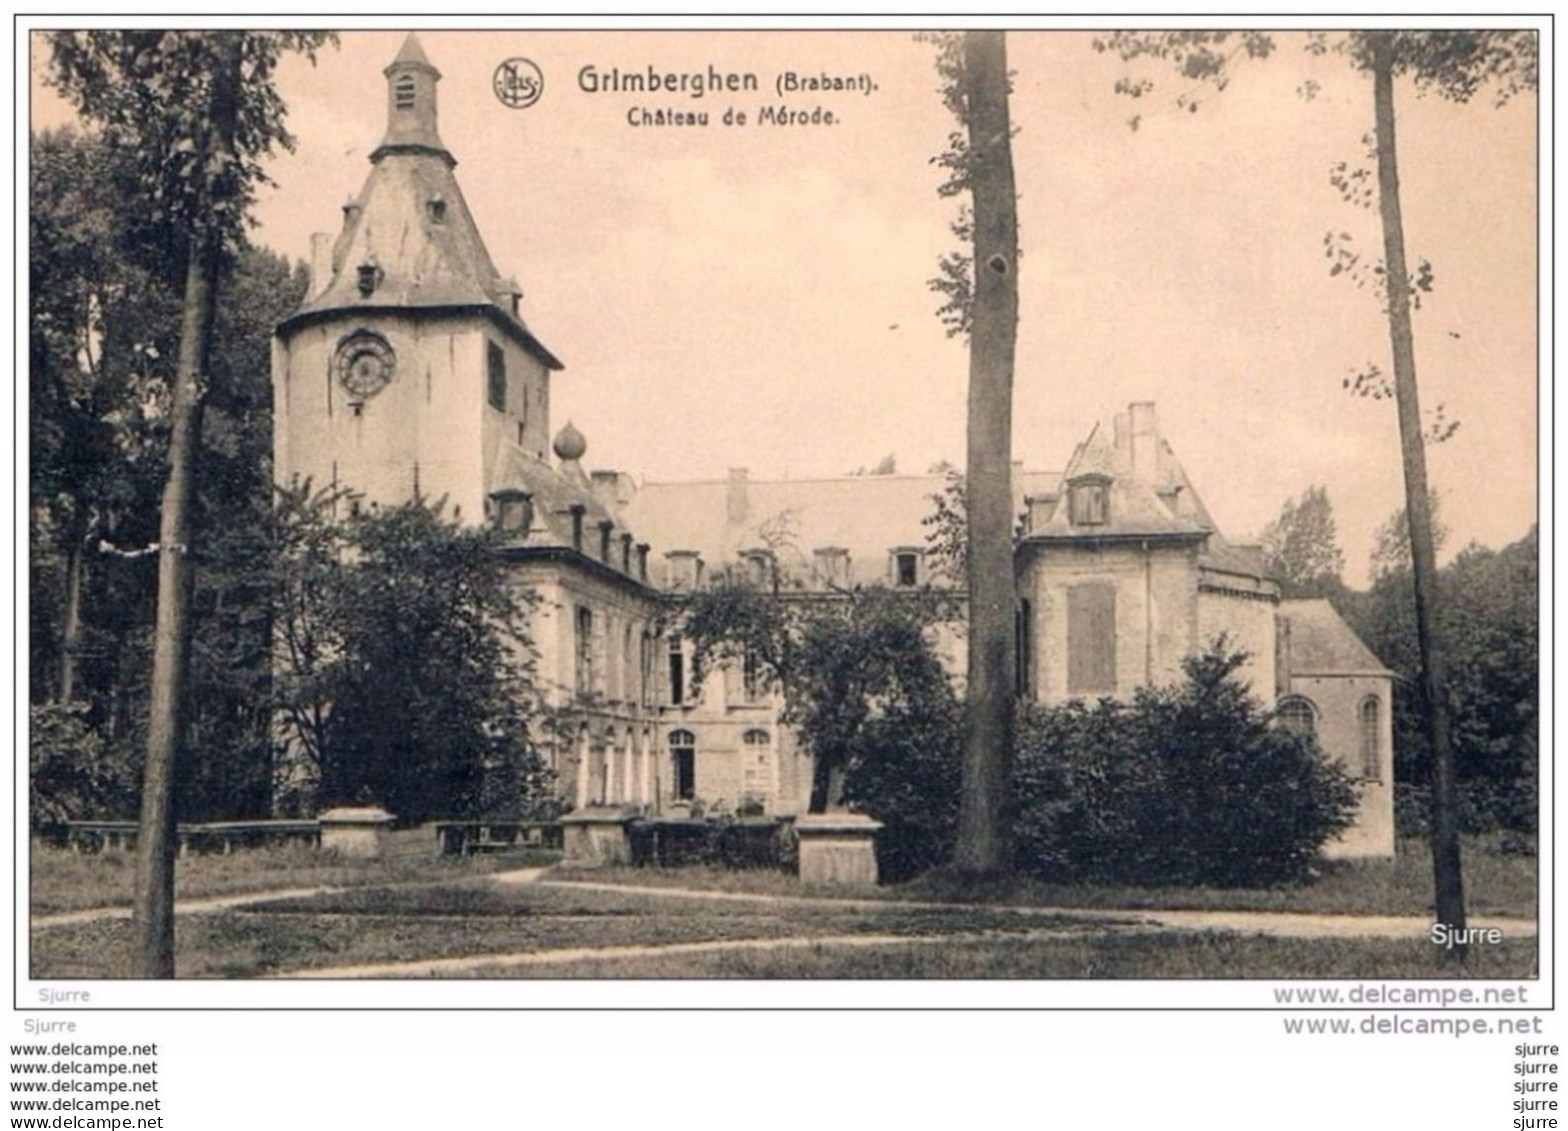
984, 840
71, 615
154, 907
1446, 872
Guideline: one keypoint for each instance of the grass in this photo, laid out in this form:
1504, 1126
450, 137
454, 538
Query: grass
372, 926
63, 880
414, 905
1125, 956
1495, 884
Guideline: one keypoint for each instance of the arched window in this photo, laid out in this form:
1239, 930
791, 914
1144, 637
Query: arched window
1298, 715
1370, 716
755, 737
683, 756
403, 93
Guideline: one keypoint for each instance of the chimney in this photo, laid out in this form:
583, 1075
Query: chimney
1145, 441
642, 561
606, 535
320, 263
736, 502
1123, 424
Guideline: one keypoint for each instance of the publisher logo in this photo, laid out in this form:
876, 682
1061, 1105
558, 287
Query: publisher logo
518, 83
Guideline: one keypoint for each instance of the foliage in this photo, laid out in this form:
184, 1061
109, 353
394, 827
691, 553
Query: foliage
947, 530
105, 330
1189, 784
905, 772
1302, 547
1391, 541
841, 663
153, 93
1489, 621
73, 774
405, 668
722, 842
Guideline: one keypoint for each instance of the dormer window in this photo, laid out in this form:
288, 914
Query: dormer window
369, 277
1088, 500
436, 207
685, 569
513, 511
906, 566
403, 93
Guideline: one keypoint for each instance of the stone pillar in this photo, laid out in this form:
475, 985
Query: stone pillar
355, 830
647, 766
610, 784
627, 778
583, 769
595, 837
837, 848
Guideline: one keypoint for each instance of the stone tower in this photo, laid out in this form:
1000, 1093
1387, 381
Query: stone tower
409, 368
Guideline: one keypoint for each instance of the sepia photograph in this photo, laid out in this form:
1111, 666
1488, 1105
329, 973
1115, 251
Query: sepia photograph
1052, 508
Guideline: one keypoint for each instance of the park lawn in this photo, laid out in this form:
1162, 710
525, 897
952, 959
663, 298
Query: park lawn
1495, 884
62, 880
1209, 955
380, 925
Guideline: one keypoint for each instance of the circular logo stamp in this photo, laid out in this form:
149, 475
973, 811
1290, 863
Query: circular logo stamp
518, 83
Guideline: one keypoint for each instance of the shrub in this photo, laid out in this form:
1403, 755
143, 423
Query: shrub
725, 842
1189, 784
905, 773
74, 773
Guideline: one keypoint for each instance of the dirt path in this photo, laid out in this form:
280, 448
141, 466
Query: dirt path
182, 907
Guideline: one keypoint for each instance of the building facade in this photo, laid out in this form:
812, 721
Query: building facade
410, 370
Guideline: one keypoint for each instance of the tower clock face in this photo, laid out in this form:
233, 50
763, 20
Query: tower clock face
365, 364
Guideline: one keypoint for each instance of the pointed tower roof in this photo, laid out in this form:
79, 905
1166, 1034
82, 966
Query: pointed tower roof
409, 240
411, 53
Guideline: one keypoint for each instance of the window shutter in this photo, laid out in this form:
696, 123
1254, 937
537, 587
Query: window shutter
1091, 640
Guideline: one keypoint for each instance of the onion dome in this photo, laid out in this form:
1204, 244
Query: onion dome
570, 445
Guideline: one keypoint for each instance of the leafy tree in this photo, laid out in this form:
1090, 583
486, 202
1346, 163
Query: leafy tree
98, 315
195, 112
1302, 547
845, 666
405, 665
981, 289
105, 330
1455, 65
1187, 784
1489, 605
1391, 541
73, 773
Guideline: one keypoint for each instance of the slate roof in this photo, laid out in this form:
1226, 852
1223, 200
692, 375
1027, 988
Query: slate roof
424, 263
1167, 505
1321, 643
867, 515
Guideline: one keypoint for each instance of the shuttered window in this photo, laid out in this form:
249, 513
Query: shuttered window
1091, 640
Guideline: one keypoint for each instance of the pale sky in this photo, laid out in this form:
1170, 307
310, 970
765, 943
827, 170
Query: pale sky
755, 296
